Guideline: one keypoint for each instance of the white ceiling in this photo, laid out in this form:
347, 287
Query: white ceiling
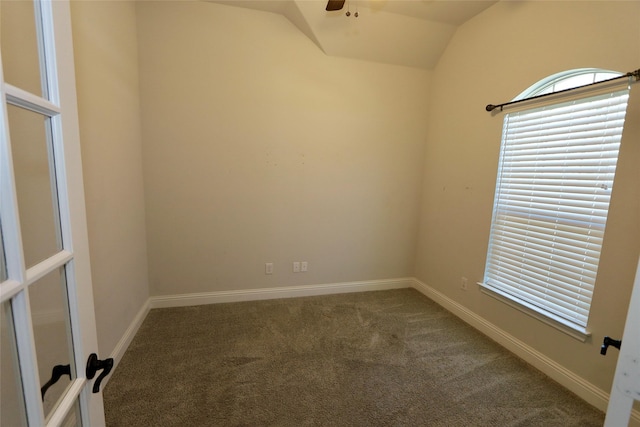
404, 32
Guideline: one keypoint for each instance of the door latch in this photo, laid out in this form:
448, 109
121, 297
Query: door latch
607, 342
94, 365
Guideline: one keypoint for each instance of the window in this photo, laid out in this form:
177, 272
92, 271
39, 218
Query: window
555, 176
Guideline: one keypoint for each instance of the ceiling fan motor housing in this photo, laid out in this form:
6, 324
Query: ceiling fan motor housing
335, 5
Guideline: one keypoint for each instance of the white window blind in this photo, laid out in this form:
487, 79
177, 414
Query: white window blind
555, 177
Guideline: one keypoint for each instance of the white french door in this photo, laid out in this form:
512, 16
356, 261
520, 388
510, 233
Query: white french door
47, 318
626, 383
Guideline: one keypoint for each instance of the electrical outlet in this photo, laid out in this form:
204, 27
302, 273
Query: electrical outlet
463, 283
304, 266
296, 266
268, 268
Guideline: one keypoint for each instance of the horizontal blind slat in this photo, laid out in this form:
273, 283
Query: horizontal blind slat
584, 243
524, 288
546, 292
576, 314
544, 272
537, 247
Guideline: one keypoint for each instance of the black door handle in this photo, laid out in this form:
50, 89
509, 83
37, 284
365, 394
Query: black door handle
94, 365
56, 373
607, 342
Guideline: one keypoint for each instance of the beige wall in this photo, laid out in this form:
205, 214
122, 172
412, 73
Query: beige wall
259, 148
492, 59
105, 48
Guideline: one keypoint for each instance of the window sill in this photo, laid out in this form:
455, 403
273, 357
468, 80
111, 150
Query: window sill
574, 331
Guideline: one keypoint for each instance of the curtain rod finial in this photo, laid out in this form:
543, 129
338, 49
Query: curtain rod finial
490, 107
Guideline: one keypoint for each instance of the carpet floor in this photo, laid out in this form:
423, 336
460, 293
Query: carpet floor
384, 358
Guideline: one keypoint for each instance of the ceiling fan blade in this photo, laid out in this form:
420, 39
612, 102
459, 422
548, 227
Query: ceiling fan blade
335, 4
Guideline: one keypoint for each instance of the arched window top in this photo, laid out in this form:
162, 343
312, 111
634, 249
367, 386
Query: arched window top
567, 80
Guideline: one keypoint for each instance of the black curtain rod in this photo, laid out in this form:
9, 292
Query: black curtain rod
636, 74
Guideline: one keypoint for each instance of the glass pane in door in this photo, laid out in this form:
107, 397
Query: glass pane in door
12, 411
35, 184
73, 417
52, 335
20, 45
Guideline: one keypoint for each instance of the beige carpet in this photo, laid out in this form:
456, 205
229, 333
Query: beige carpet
387, 358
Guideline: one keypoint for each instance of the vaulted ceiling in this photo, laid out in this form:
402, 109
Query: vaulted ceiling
413, 33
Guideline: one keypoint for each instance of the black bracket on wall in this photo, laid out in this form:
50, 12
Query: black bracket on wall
607, 342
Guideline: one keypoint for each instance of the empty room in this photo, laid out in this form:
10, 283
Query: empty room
301, 212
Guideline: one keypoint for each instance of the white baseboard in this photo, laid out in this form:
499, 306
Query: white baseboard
578, 385
127, 337
202, 298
